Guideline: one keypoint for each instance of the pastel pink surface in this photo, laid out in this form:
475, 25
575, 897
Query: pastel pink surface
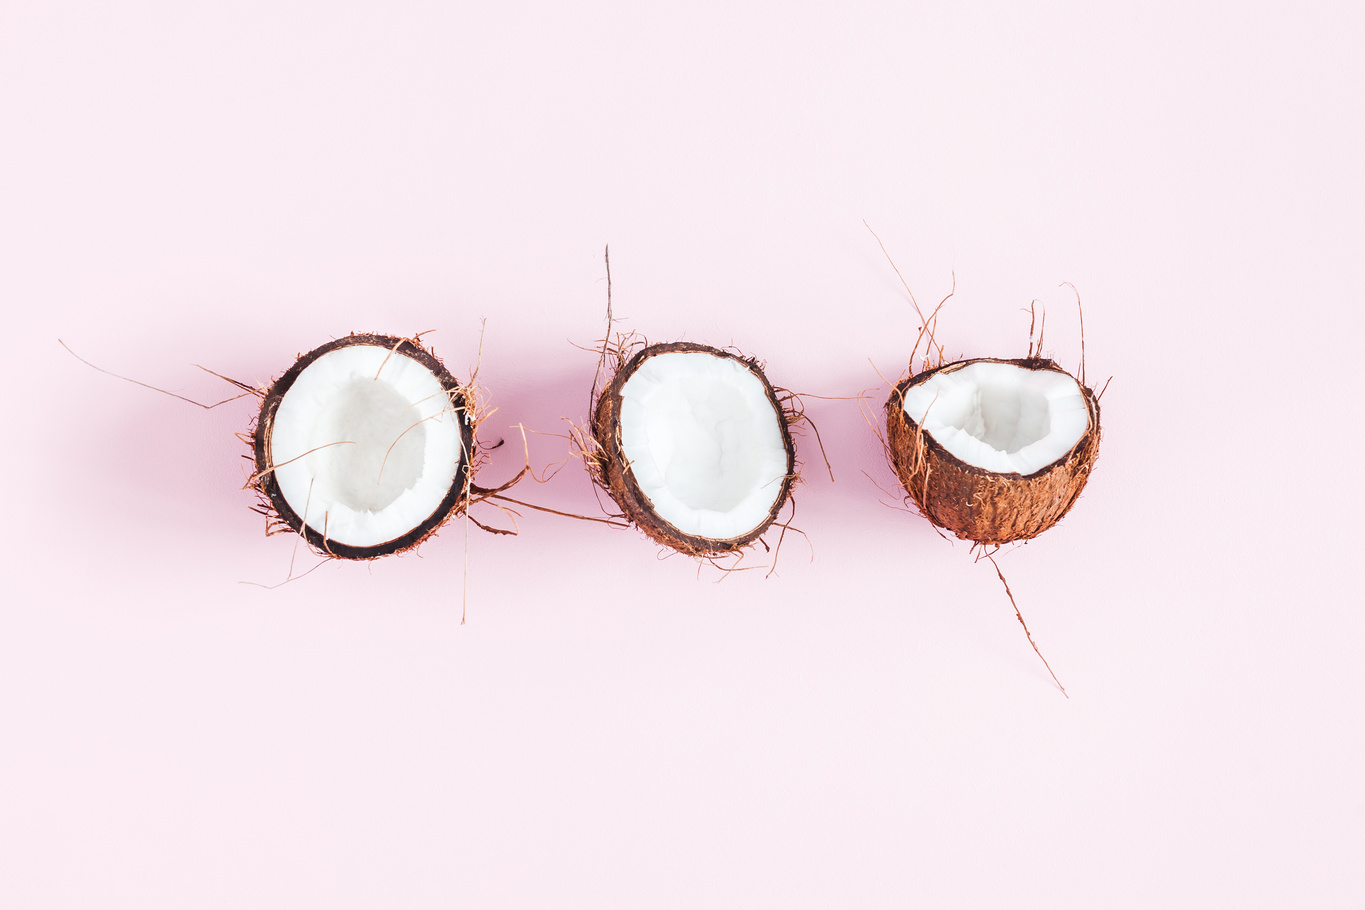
868, 727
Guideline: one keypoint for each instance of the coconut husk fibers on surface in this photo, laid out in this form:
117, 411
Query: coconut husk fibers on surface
610, 469
983, 506
273, 503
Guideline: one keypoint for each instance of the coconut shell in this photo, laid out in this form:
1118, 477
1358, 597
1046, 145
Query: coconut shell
279, 509
613, 472
987, 507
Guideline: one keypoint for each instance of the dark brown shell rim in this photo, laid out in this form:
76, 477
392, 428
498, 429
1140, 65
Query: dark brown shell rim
896, 405
627, 492
265, 424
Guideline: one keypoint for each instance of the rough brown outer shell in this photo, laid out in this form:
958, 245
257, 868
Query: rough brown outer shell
270, 488
616, 475
979, 505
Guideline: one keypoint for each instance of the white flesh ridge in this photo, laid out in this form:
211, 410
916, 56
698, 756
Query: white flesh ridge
400, 422
704, 443
1001, 417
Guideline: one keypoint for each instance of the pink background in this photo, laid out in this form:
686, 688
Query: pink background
232, 184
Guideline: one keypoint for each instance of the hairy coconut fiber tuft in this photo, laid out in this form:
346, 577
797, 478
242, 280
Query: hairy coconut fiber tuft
364, 446
993, 450
693, 445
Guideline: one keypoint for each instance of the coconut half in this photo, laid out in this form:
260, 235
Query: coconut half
364, 446
694, 447
993, 450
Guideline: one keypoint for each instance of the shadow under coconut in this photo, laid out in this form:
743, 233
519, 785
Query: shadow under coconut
151, 461
866, 498
548, 403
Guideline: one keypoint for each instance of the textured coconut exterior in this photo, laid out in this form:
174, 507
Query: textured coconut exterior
985, 506
615, 476
277, 507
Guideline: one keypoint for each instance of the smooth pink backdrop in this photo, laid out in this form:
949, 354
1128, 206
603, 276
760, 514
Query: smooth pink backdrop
231, 185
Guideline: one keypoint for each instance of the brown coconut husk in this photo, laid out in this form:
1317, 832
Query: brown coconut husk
281, 517
609, 468
986, 507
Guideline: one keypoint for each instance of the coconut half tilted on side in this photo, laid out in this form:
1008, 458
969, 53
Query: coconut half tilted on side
993, 450
364, 446
694, 447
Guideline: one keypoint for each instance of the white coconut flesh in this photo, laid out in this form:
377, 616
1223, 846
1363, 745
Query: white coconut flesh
704, 443
366, 445
1001, 417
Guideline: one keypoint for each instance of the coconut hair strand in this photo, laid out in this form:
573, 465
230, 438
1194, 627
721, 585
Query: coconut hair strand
1020, 616
248, 390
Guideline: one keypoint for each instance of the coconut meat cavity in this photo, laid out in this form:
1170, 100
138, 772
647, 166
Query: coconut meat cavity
704, 443
366, 445
1001, 417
